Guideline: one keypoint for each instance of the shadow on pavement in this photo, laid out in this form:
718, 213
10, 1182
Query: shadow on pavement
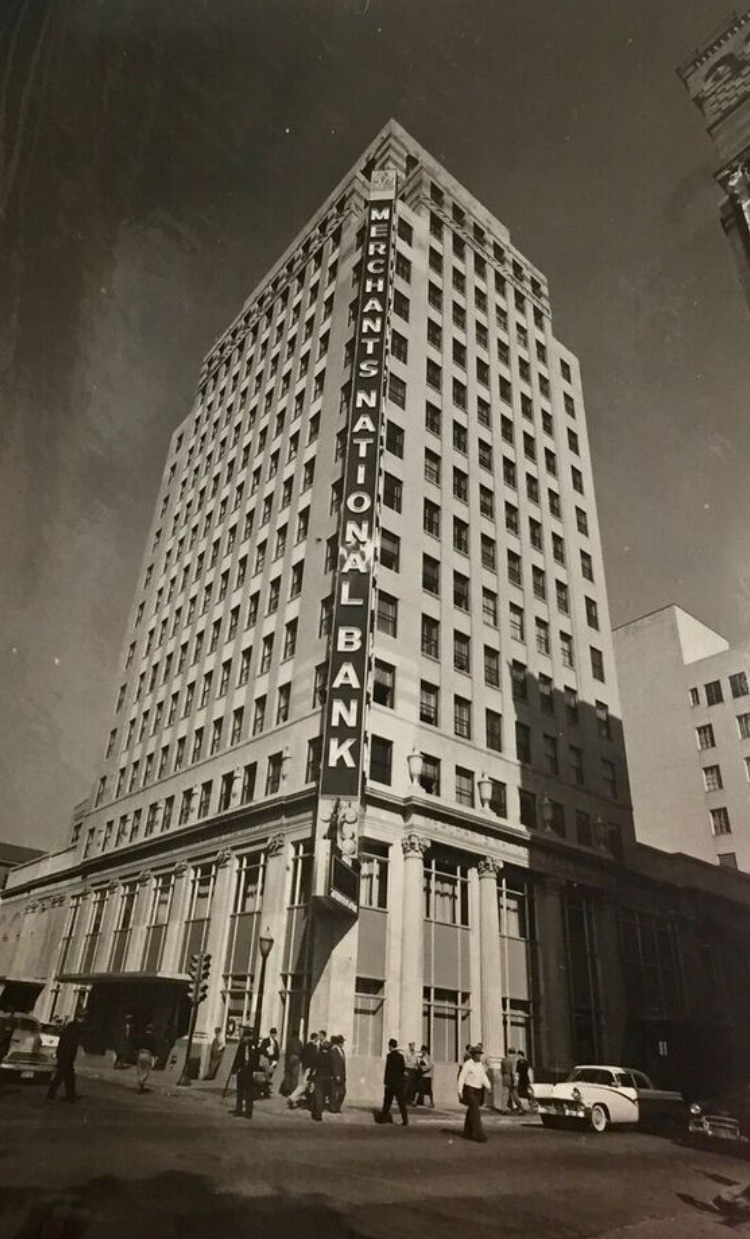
168, 1205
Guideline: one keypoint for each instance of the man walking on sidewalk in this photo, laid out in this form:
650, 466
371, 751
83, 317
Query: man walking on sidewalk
307, 1061
472, 1082
67, 1048
246, 1063
394, 1082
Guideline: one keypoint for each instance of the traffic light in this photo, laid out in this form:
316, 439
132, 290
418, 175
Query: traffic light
199, 969
194, 965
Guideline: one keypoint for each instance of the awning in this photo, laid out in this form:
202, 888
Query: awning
125, 978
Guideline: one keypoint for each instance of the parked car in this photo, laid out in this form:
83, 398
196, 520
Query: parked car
724, 1119
597, 1097
27, 1056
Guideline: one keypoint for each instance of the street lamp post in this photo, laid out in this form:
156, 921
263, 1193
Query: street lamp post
264, 946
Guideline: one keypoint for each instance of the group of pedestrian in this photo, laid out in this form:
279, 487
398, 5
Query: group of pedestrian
254, 1066
143, 1047
315, 1074
516, 1080
419, 1075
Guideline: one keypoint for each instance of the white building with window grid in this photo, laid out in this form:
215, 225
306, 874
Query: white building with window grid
686, 713
439, 844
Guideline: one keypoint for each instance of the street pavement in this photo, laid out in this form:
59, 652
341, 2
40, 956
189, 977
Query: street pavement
175, 1164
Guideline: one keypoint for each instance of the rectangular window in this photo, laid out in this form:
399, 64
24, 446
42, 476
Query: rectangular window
603, 724
461, 485
517, 623
462, 718
712, 781
390, 550
381, 756
714, 694
743, 726
460, 536
431, 518
384, 684
597, 664
542, 635
487, 502
491, 667
460, 591
430, 575
489, 607
430, 637
738, 684
461, 652
433, 423
720, 823
429, 703
493, 723
387, 614
523, 743
464, 787
489, 557
705, 736
514, 568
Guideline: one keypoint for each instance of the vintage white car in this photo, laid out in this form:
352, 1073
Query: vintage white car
597, 1097
31, 1051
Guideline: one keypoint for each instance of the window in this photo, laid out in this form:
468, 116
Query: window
539, 583
587, 566
381, 756
399, 346
430, 777
485, 455
461, 652
462, 718
429, 703
523, 743
514, 568
546, 695
460, 438
237, 717
432, 467
712, 780
597, 664
390, 550
714, 694
460, 536
576, 764
493, 725
384, 684
542, 635
592, 613
397, 391
727, 859
464, 787
509, 472
571, 706
430, 575
430, 637
461, 485
259, 715
517, 623
460, 591
705, 736
566, 651
489, 557
609, 778
743, 725
487, 502
738, 684
394, 439
387, 614
491, 667
720, 823
274, 774
432, 421
558, 549
511, 519
562, 597
431, 518
489, 607
603, 720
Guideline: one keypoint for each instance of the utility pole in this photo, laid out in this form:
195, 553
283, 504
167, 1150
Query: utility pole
199, 969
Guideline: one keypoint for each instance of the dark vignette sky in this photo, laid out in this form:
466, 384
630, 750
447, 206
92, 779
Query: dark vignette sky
155, 157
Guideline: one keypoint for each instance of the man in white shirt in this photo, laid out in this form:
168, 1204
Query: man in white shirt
472, 1082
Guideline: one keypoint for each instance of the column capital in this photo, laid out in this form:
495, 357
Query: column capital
414, 845
180, 868
143, 877
488, 867
275, 845
224, 857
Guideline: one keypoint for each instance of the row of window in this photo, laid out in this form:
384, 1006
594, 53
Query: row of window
714, 692
705, 733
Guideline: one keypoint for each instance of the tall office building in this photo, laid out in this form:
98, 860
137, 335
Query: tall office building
686, 713
366, 717
717, 76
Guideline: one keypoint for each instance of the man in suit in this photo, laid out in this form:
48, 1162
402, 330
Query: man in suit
67, 1048
246, 1063
394, 1082
269, 1046
338, 1074
322, 1079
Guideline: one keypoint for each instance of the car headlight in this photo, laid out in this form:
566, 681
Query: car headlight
695, 1109
576, 1094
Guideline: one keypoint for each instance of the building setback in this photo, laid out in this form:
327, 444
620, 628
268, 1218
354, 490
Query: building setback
367, 706
686, 713
717, 77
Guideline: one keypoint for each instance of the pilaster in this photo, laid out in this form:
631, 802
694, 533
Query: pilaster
412, 939
490, 957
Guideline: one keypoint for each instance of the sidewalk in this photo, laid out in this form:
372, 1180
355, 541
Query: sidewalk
206, 1092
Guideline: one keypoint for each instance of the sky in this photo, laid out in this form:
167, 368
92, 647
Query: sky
155, 159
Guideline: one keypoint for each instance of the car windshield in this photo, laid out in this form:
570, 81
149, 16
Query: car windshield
591, 1075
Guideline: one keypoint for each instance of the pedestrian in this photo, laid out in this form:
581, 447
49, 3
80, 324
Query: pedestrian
338, 1074
472, 1082
411, 1060
215, 1055
514, 1101
394, 1086
246, 1064
322, 1078
525, 1079
124, 1051
65, 1054
307, 1065
424, 1081
508, 1082
270, 1047
291, 1067
145, 1055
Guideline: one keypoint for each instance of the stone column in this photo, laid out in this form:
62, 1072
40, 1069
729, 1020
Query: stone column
555, 1031
134, 957
216, 944
272, 924
412, 939
491, 964
610, 980
177, 914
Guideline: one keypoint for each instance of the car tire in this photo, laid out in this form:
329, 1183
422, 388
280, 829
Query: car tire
598, 1119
